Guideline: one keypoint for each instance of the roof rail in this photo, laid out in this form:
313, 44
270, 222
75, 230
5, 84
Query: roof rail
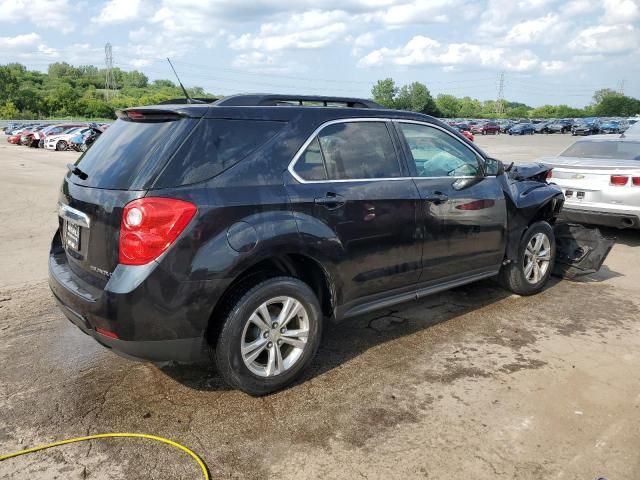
270, 100
182, 100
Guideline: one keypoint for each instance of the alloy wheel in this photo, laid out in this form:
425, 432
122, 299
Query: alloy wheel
537, 258
275, 336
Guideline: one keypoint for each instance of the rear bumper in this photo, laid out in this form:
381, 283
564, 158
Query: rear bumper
608, 219
181, 350
145, 316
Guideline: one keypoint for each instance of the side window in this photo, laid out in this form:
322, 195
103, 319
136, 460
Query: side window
358, 150
310, 165
438, 154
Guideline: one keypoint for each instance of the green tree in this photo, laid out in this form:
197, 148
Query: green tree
9, 111
598, 95
617, 105
384, 92
448, 105
416, 98
470, 107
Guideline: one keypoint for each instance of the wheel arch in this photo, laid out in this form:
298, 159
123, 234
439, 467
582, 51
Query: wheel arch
302, 266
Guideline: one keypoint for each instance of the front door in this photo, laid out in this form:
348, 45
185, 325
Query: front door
356, 207
465, 207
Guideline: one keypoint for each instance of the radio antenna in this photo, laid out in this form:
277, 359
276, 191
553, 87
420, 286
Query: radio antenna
189, 100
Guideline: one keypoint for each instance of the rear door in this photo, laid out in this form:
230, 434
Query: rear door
463, 211
355, 203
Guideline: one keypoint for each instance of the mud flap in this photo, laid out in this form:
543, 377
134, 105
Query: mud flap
580, 250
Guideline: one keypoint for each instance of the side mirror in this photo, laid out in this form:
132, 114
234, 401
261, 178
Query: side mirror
493, 167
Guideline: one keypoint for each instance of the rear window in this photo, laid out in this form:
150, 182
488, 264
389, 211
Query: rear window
621, 150
214, 146
129, 155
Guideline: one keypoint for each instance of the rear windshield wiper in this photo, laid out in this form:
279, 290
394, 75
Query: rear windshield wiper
76, 171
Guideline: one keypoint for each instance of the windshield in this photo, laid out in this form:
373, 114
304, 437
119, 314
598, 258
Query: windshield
621, 150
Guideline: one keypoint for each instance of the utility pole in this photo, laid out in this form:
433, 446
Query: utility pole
499, 108
109, 83
621, 87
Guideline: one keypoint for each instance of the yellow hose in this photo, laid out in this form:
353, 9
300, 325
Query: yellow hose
191, 453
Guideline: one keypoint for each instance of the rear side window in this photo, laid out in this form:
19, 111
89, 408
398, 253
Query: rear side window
214, 146
358, 150
310, 165
129, 155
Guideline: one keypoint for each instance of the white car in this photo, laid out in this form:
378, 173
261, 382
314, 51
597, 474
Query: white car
600, 178
61, 141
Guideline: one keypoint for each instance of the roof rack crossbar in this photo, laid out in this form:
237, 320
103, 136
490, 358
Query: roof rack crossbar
271, 100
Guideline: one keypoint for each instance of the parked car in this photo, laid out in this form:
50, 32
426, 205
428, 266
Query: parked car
560, 126
15, 135
28, 137
600, 177
542, 127
55, 130
238, 227
61, 141
486, 128
586, 126
83, 139
505, 125
522, 129
466, 133
613, 126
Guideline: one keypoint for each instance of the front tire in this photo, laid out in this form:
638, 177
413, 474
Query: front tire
270, 335
61, 145
528, 274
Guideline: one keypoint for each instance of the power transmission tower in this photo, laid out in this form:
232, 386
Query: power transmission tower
499, 109
109, 82
621, 87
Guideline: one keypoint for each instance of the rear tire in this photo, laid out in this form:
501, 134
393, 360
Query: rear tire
280, 354
528, 274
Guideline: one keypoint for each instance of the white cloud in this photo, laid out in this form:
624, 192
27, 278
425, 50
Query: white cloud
421, 50
42, 13
538, 30
308, 30
118, 11
499, 15
20, 43
415, 12
620, 11
609, 39
580, 7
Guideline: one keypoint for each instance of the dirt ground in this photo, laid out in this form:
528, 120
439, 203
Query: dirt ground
473, 383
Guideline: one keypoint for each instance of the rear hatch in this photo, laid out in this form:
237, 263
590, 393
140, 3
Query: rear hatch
119, 167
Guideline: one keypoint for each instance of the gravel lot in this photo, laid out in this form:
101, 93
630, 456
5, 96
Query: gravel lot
472, 383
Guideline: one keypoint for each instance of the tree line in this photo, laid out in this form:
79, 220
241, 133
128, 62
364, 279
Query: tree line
417, 98
69, 91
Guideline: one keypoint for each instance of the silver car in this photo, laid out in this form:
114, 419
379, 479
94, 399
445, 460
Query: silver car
600, 178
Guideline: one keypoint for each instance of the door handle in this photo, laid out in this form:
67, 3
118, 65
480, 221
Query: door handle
436, 198
330, 201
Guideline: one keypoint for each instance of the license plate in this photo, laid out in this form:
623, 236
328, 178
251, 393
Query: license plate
72, 236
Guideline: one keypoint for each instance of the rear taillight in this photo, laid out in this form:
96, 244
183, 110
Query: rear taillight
636, 181
149, 225
619, 180
549, 174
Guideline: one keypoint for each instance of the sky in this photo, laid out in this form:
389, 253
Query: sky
551, 51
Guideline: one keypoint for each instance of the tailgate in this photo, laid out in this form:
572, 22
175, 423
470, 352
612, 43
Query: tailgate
89, 222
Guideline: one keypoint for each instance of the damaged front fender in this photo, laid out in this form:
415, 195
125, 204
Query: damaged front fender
529, 199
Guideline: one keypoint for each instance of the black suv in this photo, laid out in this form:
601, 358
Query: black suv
235, 228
